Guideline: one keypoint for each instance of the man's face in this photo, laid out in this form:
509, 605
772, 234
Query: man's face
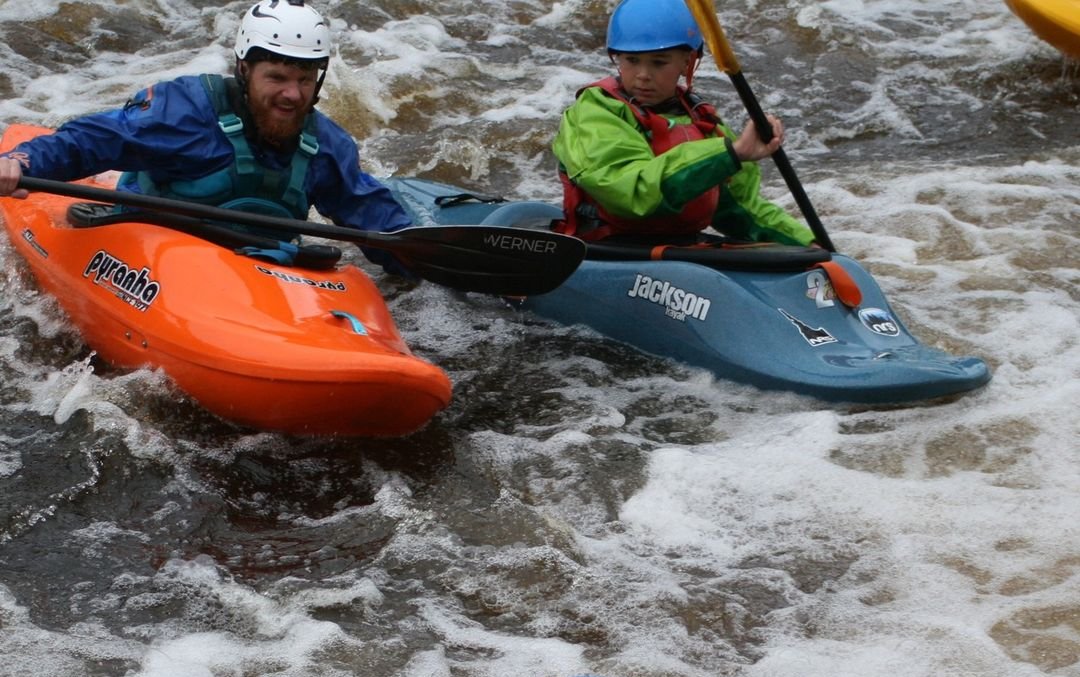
280, 96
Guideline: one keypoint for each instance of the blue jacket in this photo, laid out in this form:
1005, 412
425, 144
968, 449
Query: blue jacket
171, 131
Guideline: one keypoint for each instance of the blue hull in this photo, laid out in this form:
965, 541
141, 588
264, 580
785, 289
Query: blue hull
773, 329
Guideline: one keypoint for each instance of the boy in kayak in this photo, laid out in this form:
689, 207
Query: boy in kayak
641, 156
252, 142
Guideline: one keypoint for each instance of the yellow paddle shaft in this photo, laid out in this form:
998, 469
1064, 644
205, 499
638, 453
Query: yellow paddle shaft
704, 12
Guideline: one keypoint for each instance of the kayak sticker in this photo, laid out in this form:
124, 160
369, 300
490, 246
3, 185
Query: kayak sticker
678, 304
296, 279
133, 287
819, 288
519, 243
879, 321
814, 336
28, 235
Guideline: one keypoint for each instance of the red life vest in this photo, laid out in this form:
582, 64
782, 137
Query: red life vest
585, 218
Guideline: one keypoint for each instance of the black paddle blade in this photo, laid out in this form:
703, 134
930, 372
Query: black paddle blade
489, 259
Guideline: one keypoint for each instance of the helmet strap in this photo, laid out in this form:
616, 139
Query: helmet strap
318, 86
691, 68
241, 79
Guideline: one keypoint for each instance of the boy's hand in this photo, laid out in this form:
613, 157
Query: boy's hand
749, 146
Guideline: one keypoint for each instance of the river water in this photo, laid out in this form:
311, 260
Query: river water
582, 508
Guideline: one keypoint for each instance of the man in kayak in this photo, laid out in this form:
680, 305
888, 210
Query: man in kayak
252, 142
640, 155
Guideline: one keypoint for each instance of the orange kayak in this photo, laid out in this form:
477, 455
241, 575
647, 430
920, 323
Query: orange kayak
308, 352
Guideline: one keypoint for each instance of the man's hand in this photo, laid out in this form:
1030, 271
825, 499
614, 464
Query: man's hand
10, 173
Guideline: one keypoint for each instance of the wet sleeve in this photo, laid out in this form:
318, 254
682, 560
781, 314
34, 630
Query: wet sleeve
744, 213
163, 128
341, 191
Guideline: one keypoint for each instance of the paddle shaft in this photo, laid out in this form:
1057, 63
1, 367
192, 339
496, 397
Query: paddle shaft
487, 259
210, 213
764, 129
705, 14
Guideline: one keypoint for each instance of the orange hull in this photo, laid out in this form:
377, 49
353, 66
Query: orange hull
256, 343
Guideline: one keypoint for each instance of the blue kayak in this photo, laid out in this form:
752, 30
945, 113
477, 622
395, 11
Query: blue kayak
788, 318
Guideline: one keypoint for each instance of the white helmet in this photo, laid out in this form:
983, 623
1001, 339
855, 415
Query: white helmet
284, 27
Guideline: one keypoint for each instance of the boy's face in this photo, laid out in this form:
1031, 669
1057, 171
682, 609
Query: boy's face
652, 77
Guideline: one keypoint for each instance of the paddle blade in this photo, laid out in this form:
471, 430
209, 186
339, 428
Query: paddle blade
704, 12
489, 259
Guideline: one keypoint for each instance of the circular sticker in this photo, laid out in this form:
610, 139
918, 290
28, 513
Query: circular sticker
879, 321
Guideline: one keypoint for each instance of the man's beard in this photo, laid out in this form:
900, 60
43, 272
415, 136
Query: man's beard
274, 129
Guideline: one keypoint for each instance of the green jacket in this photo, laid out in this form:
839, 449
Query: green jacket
602, 148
